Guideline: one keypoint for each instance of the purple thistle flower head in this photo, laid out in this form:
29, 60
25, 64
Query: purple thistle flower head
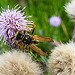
12, 18
55, 21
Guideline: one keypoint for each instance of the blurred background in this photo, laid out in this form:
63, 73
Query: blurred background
41, 12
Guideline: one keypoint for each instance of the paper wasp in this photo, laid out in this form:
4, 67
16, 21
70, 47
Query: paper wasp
29, 40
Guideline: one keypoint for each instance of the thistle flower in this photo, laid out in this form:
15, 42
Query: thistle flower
70, 9
12, 18
55, 21
62, 60
18, 63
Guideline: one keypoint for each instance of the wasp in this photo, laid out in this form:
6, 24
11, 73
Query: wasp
29, 40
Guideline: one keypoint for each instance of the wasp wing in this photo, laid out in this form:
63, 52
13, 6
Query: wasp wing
43, 39
38, 50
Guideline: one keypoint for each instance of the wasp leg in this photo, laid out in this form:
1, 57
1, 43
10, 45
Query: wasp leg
14, 29
18, 30
11, 38
33, 28
25, 26
27, 50
8, 35
17, 43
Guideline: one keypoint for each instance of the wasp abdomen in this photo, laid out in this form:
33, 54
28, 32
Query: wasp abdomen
35, 41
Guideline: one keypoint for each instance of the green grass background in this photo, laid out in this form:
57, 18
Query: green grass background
41, 11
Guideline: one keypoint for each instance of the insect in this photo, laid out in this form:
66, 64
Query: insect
29, 40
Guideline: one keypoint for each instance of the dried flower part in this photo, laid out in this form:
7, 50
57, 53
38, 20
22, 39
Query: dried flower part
70, 9
11, 19
73, 35
62, 60
18, 63
55, 21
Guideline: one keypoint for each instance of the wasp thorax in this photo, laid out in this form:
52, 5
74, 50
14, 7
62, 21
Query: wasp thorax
18, 35
27, 39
